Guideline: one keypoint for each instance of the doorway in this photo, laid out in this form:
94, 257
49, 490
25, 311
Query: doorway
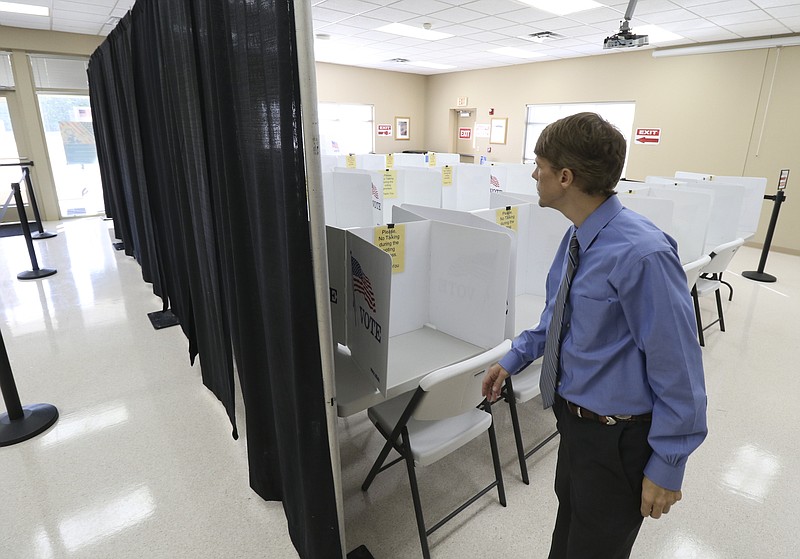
464, 134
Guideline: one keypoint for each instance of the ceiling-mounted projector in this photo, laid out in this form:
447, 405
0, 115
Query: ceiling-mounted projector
626, 38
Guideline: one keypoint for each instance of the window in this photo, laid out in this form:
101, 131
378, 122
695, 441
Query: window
346, 128
6, 75
539, 116
63, 92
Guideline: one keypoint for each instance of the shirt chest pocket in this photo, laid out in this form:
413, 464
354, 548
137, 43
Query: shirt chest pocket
595, 322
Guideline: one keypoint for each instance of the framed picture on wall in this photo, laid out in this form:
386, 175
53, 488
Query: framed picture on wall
402, 128
498, 131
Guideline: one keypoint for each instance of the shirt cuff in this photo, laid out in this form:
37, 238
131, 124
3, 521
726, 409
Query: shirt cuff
663, 474
512, 362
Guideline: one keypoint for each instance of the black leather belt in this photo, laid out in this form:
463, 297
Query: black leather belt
583, 413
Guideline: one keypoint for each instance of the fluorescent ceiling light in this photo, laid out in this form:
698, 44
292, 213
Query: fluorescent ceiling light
790, 41
517, 53
415, 32
656, 34
26, 9
434, 65
563, 7
339, 53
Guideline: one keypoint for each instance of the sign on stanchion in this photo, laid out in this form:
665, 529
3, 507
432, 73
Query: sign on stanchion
35, 272
778, 198
20, 423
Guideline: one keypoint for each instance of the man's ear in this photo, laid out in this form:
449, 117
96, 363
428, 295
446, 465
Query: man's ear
566, 178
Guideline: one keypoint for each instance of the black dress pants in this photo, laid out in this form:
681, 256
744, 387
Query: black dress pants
599, 486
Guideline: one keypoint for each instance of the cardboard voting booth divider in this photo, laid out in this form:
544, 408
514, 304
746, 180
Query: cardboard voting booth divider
410, 212
513, 178
539, 239
752, 201
439, 298
437, 159
329, 162
391, 187
468, 189
410, 160
683, 213
371, 161
350, 199
337, 279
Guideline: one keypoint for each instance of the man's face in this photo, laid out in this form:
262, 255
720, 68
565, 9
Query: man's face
548, 183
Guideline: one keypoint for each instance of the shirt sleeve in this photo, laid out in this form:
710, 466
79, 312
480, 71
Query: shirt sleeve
658, 309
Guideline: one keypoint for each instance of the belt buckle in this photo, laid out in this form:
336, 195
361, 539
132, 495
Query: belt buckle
578, 411
610, 420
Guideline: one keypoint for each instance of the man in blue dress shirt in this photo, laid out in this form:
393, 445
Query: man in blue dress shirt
630, 400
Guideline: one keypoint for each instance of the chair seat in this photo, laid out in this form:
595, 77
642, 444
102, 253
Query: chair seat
705, 286
430, 440
526, 382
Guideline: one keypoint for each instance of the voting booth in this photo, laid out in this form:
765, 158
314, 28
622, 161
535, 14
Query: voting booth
388, 188
437, 296
410, 212
513, 178
351, 199
410, 160
437, 159
466, 187
539, 234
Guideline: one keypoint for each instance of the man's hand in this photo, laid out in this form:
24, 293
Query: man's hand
493, 382
655, 500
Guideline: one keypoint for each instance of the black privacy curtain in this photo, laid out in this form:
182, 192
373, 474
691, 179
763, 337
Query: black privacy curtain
196, 109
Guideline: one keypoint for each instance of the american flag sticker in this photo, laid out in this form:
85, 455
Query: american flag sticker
495, 183
375, 194
361, 283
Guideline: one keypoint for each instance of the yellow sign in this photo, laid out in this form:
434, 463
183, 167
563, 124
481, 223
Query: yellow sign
392, 240
507, 217
389, 160
389, 184
447, 176
350, 161
431, 159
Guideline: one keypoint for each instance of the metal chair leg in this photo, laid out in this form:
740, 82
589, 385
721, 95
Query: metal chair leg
498, 472
412, 481
376, 467
512, 406
719, 311
697, 315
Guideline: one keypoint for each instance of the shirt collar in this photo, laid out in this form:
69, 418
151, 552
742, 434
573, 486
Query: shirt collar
597, 220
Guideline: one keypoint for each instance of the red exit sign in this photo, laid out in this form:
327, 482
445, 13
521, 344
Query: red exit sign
464, 133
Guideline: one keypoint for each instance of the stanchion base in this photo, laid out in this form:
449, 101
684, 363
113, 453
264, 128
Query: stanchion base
361, 552
43, 235
163, 319
36, 419
760, 276
36, 274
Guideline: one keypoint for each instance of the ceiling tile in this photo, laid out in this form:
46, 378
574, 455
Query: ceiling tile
759, 29
785, 11
721, 8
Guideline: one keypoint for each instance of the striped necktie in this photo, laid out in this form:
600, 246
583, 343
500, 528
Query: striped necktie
552, 347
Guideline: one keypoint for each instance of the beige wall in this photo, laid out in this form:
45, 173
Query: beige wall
710, 109
392, 93
25, 108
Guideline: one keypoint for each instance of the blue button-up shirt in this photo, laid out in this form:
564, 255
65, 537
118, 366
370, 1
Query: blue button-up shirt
630, 337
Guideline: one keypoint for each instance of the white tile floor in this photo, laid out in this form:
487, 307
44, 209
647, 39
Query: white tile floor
141, 462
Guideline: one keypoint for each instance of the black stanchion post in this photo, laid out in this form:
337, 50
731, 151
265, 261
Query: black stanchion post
36, 272
41, 233
20, 424
778, 198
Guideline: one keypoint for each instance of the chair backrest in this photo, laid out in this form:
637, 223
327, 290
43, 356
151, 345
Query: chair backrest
694, 268
721, 257
456, 388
